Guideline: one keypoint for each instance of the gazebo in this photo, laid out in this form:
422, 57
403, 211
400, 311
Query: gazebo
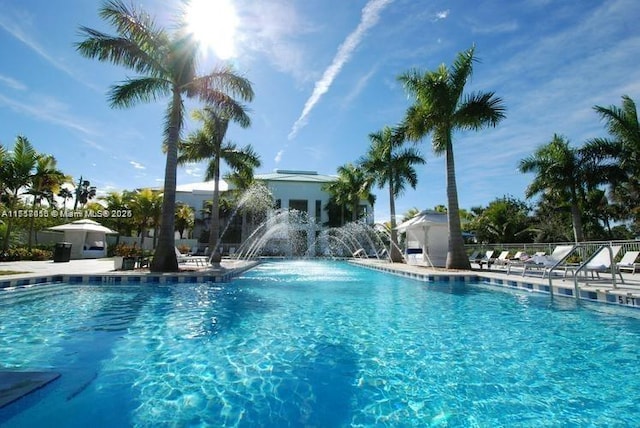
88, 238
427, 238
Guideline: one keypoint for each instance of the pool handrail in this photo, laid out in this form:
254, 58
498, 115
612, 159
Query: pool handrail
613, 268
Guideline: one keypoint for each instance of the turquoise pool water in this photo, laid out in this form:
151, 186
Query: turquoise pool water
318, 344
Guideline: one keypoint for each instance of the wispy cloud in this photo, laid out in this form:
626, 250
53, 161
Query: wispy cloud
278, 157
443, 14
49, 110
137, 165
357, 88
12, 25
12, 83
370, 16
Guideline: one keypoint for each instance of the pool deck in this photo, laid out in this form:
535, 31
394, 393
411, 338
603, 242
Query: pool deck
102, 270
596, 289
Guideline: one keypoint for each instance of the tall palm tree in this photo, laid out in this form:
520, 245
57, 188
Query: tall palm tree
145, 207
352, 186
208, 144
622, 150
17, 170
561, 170
167, 64
65, 194
120, 203
440, 109
45, 183
185, 218
388, 163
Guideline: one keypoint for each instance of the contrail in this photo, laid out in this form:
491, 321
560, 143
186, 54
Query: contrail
370, 16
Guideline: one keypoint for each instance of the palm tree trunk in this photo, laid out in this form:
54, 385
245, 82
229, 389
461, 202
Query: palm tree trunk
576, 218
164, 258
456, 256
214, 229
395, 255
31, 222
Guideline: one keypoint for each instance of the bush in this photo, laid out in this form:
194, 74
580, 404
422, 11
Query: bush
21, 253
125, 250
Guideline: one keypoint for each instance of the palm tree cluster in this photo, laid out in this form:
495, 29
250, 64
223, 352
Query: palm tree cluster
166, 63
24, 171
440, 108
573, 178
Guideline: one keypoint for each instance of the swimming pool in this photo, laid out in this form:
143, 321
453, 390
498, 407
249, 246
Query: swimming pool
305, 343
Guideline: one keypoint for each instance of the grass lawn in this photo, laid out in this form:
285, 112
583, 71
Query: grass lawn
10, 272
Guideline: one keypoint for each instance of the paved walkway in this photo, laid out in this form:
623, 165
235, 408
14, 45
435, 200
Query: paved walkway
31, 269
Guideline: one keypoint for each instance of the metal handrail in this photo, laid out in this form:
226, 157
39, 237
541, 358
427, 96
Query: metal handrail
558, 263
613, 268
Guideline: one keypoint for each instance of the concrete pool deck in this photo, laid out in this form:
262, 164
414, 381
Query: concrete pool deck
593, 289
601, 290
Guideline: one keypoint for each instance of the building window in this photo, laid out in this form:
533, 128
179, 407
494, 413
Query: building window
278, 204
318, 209
299, 205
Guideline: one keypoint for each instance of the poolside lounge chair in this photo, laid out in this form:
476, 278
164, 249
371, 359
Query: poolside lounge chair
474, 257
502, 259
548, 263
185, 258
601, 261
487, 259
628, 262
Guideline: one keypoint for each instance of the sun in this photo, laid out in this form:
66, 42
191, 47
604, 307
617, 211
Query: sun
213, 23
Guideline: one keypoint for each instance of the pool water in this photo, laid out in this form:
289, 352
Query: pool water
318, 344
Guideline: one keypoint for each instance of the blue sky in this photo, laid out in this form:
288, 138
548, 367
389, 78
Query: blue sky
325, 76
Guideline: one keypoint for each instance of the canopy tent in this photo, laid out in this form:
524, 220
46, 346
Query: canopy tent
427, 236
87, 237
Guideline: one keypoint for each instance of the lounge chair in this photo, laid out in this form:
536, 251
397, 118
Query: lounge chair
474, 257
628, 262
502, 259
185, 258
487, 259
601, 261
548, 263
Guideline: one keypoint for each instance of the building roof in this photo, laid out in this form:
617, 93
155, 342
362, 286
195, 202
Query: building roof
202, 187
296, 175
425, 218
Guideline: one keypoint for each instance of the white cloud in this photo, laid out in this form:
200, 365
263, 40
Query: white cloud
443, 14
370, 16
278, 157
137, 165
12, 83
12, 25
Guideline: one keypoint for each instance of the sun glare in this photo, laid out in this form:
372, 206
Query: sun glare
213, 23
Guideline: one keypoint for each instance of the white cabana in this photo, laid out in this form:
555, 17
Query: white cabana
427, 238
87, 237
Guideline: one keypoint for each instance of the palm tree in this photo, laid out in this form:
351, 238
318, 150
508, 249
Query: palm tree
84, 193
185, 218
65, 194
561, 170
622, 150
208, 144
120, 203
387, 162
17, 170
45, 182
145, 207
440, 109
352, 186
167, 64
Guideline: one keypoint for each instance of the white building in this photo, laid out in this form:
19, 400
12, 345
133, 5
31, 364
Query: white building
291, 190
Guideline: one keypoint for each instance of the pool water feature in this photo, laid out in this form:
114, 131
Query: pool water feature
308, 343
